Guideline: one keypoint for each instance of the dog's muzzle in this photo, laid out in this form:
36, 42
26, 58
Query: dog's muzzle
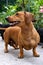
12, 22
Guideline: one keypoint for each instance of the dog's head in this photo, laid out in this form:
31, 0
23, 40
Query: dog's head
21, 18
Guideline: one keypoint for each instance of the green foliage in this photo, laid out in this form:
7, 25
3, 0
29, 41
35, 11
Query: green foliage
17, 5
39, 22
35, 7
9, 11
2, 5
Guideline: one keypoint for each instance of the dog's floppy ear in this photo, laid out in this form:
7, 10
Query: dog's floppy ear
29, 17
25, 16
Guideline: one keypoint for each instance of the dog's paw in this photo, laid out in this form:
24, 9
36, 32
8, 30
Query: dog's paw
20, 56
5, 51
16, 48
36, 55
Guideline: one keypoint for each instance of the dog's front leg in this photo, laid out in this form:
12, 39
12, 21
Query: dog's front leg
6, 48
35, 52
21, 53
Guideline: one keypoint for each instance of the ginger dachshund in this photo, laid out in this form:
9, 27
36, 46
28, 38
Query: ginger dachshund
23, 34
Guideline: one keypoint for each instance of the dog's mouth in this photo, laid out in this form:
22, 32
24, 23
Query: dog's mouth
12, 22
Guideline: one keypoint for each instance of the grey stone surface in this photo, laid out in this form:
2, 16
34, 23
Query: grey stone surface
11, 58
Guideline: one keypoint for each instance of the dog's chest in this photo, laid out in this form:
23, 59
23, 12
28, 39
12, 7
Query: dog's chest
27, 45
27, 41
26, 31
27, 36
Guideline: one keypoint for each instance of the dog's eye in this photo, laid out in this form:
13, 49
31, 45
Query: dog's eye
17, 13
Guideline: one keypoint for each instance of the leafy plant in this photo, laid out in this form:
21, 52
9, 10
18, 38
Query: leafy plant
17, 5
